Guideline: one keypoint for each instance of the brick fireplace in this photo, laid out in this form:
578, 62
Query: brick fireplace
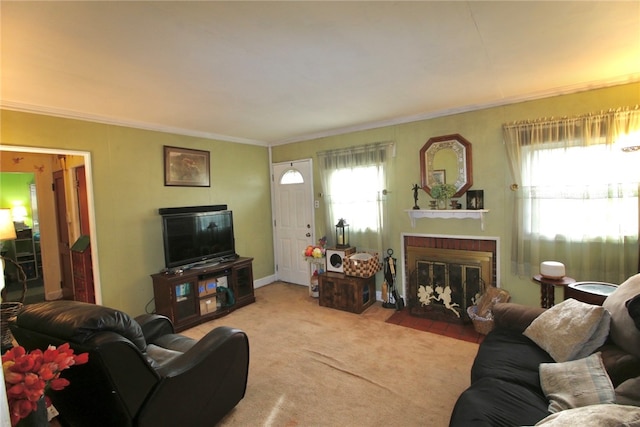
443, 275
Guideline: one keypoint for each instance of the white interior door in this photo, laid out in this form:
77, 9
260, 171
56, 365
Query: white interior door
294, 221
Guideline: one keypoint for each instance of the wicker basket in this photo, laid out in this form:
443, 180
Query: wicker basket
10, 309
361, 264
482, 325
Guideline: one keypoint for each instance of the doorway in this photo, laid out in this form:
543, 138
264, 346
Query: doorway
49, 249
23, 264
294, 219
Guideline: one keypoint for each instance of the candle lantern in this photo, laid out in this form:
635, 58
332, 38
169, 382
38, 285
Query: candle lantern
342, 234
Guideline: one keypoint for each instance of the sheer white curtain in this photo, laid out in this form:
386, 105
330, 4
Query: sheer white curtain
353, 183
576, 194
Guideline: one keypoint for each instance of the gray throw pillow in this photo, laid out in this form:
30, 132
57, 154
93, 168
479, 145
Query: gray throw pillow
570, 330
576, 383
605, 415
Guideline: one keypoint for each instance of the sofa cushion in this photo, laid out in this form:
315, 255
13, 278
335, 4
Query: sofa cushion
605, 415
570, 330
158, 356
620, 365
495, 402
515, 316
628, 393
510, 356
576, 383
624, 332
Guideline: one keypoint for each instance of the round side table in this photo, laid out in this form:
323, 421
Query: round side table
590, 292
547, 298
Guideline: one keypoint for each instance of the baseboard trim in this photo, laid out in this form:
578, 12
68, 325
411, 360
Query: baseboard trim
264, 281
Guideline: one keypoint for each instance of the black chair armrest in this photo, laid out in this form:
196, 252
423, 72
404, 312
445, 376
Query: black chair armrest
154, 326
210, 347
222, 356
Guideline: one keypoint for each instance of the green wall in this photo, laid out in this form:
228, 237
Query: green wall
128, 183
14, 191
127, 169
483, 128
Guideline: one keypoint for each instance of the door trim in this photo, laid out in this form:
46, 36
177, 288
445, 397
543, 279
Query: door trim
90, 198
273, 208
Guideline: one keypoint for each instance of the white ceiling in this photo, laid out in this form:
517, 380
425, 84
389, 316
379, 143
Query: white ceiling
276, 72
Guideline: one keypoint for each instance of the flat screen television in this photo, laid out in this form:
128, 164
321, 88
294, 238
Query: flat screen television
200, 235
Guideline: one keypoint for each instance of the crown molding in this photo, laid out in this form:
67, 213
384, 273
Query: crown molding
69, 114
565, 90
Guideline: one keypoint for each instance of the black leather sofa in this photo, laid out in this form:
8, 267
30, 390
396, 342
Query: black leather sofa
505, 385
140, 373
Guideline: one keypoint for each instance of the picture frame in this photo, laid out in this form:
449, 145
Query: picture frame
184, 167
439, 176
475, 199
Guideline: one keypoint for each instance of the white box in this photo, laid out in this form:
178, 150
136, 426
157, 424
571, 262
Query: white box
336, 256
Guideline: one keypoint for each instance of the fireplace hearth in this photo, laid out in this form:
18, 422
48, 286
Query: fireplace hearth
446, 275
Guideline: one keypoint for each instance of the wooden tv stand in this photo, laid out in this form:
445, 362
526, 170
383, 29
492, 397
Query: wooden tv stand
191, 297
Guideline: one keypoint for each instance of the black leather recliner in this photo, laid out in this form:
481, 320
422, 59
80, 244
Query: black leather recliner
140, 373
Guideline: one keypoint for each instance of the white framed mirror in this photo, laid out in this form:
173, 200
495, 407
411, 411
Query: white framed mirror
446, 160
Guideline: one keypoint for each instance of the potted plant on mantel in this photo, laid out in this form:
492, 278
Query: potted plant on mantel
442, 193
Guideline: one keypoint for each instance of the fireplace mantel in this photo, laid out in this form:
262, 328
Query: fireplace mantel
447, 214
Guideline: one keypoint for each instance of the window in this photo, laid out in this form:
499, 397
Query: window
355, 196
576, 184
291, 176
353, 183
581, 193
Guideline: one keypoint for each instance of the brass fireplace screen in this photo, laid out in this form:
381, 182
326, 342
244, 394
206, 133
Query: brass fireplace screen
444, 282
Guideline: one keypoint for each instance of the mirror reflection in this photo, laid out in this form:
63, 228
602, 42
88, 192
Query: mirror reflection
446, 160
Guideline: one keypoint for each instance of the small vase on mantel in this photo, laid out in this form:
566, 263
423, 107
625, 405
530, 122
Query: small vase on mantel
37, 418
443, 204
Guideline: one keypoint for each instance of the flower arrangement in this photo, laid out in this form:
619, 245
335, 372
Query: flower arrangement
317, 251
443, 191
28, 376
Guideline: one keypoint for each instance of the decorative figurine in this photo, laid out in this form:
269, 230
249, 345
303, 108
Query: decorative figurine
415, 189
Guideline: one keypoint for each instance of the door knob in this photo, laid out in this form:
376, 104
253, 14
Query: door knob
308, 234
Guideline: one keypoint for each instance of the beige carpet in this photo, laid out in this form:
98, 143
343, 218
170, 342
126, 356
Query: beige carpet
315, 366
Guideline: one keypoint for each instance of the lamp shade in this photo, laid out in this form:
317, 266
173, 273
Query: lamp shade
19, 213
7, 229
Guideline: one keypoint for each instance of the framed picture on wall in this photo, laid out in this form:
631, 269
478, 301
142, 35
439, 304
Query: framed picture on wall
475, 199
184, 167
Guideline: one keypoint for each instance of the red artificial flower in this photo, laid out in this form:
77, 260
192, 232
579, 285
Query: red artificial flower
58, 383
13, 377
20, 409
82, 358
28, 376
24, 364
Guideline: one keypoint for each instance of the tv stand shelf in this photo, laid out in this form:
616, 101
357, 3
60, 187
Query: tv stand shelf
191, 297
